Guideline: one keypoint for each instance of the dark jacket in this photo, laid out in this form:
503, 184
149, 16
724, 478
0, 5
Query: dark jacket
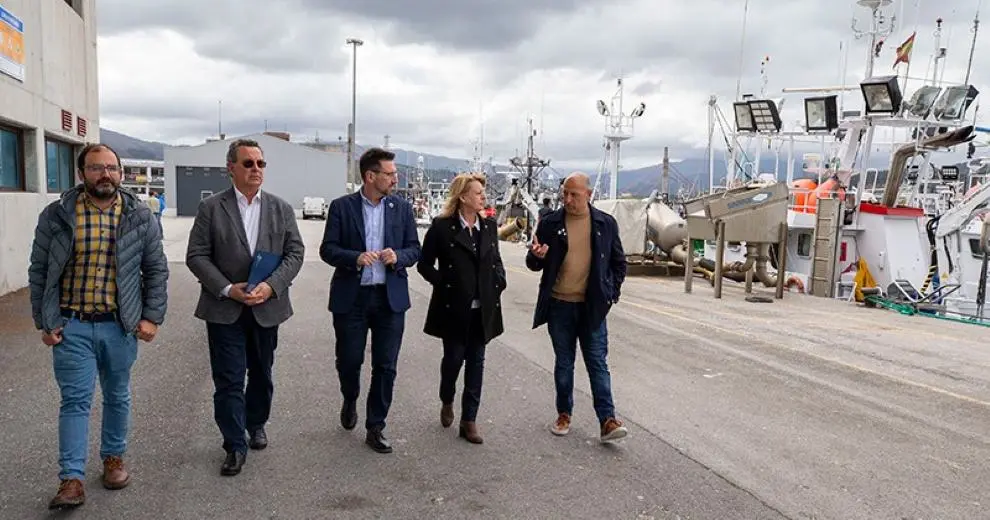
448, 244
142, 270
218, 254
608, 264
344, 241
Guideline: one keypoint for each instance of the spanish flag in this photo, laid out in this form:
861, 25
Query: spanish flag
904, 51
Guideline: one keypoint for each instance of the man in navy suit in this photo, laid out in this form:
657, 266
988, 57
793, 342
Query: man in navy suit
370, 239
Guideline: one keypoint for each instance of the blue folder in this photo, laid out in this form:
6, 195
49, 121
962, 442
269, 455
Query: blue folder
262, 267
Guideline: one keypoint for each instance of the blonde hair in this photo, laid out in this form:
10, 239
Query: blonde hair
457, 188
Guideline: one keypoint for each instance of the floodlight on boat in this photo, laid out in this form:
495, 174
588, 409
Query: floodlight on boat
954, 102
602, 108
766, 116
882, 95
922, 100
639, 110
821, 113
744, 117
950, 173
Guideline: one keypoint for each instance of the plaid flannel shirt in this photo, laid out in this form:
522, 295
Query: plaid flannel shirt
90, 280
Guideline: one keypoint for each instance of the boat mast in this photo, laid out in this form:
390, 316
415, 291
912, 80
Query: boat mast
880, 27
972, 48
730, 171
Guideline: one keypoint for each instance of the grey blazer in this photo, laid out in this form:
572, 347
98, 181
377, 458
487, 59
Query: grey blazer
218, 254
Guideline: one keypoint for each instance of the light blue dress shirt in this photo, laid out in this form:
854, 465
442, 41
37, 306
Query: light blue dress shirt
374, 239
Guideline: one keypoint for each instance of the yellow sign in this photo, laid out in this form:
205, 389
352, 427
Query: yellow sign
11, 45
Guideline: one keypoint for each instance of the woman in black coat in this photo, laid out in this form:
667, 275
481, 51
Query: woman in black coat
460, 258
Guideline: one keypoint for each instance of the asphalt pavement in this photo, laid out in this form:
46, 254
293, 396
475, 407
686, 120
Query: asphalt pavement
801, 408
315, 469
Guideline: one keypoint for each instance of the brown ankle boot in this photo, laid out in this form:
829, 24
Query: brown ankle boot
447, 415
114, 474
469, 431
70, 494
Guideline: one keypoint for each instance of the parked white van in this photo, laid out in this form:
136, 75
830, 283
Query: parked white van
315, 207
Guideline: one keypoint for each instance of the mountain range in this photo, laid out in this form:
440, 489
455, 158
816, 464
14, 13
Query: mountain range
690, 174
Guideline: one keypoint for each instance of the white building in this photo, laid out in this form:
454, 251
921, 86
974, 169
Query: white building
49, 108
143, 176
294, 171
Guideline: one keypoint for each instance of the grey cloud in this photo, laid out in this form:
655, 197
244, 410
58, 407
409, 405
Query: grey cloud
691, 46
648, 89
251, 33
696, 44
154, 107
464, 25
182, 120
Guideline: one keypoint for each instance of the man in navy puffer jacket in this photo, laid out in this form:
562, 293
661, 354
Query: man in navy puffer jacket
98, 280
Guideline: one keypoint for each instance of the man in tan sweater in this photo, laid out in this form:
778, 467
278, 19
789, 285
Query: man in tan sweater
578, 249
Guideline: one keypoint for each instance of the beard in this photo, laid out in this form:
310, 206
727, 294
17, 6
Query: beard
104, 189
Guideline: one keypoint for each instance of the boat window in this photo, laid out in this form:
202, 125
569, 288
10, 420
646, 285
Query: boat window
974, 248
804, 245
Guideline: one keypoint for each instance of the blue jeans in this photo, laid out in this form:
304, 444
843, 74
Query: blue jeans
87, 350
568, 324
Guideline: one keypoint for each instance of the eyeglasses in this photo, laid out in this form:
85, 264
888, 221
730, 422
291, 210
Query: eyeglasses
249, 163
392, 173
100, 168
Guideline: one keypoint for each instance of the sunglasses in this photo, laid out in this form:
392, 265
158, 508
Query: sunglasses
249, 163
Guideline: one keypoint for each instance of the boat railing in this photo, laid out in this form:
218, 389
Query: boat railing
805, 200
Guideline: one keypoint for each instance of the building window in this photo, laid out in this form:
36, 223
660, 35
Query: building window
76, 6
58, 166
11, 159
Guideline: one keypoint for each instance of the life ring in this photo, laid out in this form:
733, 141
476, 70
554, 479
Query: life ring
794, 281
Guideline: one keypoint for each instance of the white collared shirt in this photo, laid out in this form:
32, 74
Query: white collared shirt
250, 217
477, 221
475, 304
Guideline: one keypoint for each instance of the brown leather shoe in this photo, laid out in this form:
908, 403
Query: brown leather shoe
613, 430
469, 431
70, 494
114, 474
447, 415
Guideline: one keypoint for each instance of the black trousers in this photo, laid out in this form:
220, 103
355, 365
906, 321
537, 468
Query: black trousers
241, 351
467, 350
371, 312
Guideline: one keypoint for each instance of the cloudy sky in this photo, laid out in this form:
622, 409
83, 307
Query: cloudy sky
431, 71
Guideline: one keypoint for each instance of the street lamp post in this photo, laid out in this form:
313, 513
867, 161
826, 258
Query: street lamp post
352, 176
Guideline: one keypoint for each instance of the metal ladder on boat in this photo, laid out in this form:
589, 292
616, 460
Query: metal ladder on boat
828, 224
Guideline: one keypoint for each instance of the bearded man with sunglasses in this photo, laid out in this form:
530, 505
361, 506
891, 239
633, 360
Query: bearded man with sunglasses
242, 322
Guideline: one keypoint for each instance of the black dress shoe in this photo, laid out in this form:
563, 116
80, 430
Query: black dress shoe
259, 440
348, 415
376, 439
233, 463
